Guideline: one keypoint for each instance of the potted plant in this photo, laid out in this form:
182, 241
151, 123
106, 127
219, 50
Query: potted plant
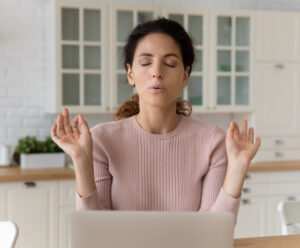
40, 154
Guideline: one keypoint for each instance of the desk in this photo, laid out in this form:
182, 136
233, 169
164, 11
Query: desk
285, 241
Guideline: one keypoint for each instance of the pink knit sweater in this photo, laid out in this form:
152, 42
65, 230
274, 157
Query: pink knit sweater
182, 170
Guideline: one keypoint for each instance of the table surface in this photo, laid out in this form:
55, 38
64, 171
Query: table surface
284, 241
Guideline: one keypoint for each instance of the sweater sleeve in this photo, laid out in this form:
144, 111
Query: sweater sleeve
214, 198
100, 199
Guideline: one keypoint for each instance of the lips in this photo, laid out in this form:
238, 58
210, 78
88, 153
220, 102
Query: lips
156, 87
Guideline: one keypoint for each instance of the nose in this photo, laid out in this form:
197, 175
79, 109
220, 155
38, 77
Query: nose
157, 75
157, 71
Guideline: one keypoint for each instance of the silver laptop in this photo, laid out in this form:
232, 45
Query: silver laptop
147, 229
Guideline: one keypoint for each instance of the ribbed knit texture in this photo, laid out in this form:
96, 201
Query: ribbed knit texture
182, 170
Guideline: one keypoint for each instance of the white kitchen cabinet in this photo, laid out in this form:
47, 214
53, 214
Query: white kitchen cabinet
67, 189
278, 36
86, 72
221, 80
33, 206
2, 205
77, 54
262, 191
277, 93
123, 19
195, 22
277, 111
40, 209
231, 60
252, 220
274, 223
63, 227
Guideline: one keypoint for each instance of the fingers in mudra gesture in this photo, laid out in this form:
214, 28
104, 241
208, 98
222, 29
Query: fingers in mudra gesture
240, 146
69, 138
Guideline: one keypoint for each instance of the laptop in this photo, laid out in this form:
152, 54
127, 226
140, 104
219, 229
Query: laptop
150, 229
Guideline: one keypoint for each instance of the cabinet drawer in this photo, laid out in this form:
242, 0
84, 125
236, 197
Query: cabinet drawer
277, 155
255, 177
67, 192
286, 189
280, 142
284, 176
254, 190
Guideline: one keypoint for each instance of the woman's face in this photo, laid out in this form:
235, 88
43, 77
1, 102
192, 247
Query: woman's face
157, 70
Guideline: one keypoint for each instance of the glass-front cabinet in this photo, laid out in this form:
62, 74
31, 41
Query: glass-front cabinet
123, 19
195, 23
231, 61
79, 52
86, 40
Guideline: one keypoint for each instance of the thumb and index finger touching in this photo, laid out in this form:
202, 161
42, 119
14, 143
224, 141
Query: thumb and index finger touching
77, 122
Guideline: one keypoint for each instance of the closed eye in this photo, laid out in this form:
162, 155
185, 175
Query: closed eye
172, 66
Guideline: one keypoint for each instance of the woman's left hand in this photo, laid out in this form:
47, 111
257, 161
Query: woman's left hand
240, 146
240, 149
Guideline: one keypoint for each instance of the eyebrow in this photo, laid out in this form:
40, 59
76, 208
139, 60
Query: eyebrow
167, 55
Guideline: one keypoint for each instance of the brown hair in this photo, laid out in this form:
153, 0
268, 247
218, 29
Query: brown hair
131, 107
177, 32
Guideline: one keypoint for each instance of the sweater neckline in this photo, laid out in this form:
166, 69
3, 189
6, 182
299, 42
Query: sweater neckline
145, 133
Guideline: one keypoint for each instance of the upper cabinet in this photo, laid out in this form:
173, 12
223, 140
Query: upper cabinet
278, 36
231, 60
277, 93
77, 51
195, 23
123, 19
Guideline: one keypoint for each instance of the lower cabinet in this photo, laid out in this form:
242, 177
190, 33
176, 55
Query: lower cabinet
39, 211
251, 219
41, 208
66, 206
258, 214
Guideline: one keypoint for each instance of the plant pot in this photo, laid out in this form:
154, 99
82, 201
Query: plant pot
42, 160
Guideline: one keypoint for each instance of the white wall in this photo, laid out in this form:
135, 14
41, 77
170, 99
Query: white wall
23, 62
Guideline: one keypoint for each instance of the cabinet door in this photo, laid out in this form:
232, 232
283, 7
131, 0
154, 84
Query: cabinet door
195, 22
277, 93
252, 221
274, 224
33, 207
63, 226
2, 206
123, 19
277, 36
67, 190
81, 56
231, 61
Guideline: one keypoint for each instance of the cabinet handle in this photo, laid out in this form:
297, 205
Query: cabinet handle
245, 201
279, 66
291, 198
247, 176
278, 142
278, 154
29, 184
246, 190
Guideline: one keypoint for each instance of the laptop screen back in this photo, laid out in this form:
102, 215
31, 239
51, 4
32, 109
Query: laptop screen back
145, 229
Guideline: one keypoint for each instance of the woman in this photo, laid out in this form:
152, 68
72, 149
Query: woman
155, 157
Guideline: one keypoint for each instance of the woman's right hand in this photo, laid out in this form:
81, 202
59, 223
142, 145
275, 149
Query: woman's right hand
79, 146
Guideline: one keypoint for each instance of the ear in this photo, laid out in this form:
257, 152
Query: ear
129, 74
186, 76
